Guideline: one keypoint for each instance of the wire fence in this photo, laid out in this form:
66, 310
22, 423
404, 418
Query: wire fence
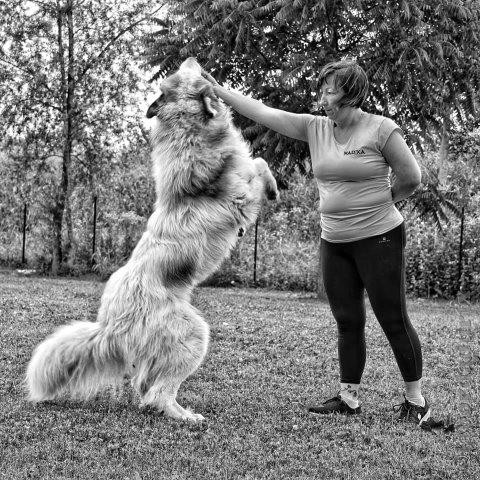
266, 252
22, 258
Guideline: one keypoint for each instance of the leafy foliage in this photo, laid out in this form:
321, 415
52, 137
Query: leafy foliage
436, 200
288, 245
67, 69
432, 201
61, 147
125, 198
433, 264
421, 58
288, 233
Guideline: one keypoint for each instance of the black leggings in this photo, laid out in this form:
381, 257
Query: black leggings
377, 265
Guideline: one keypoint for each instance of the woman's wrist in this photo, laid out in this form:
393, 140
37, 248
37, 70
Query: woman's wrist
226, 95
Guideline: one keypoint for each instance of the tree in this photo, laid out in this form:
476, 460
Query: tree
438, 198
421, 57
428, 66
67, 75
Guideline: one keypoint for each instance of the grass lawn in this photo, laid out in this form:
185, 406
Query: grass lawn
271, 355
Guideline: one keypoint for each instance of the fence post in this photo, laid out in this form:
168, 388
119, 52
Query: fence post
255, 254
24, 232
94, 228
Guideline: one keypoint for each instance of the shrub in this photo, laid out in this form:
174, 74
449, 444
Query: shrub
287, 246
288, 242
432, 264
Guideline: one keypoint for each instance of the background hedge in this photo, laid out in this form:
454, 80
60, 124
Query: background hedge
287, 246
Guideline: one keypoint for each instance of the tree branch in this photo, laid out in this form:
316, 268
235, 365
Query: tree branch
14, 65
94, 61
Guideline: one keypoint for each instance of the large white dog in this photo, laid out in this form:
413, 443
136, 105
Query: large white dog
208, 190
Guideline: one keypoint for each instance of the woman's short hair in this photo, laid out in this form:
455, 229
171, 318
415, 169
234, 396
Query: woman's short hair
349, 76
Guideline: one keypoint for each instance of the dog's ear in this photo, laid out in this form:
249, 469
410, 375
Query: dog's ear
207, 95
152, 109
207, 105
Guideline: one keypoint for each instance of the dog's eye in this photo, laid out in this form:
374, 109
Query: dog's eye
170, 96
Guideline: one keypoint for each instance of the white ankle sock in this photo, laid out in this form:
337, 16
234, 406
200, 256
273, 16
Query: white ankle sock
413, 392
349, 394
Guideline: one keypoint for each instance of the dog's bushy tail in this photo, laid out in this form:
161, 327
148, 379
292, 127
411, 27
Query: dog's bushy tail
78, 358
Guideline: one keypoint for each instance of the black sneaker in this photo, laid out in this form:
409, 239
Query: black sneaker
412, 413
335, 405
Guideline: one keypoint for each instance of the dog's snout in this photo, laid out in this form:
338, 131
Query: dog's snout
153, 108
272, 194
152, 111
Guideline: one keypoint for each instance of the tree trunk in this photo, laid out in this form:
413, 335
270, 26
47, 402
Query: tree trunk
59, 212
443, 153
68, 94
69, 243
57, 239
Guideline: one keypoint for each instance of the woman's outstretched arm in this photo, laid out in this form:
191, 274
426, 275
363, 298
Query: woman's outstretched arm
290, 124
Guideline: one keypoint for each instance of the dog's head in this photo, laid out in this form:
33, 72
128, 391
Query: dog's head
186, 92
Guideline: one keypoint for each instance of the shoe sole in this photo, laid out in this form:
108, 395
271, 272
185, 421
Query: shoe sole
345, 412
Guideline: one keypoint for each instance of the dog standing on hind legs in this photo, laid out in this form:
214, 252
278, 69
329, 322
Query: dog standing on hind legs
209, 190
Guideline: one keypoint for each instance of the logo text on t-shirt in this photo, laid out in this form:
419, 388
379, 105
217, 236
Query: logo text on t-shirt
359, 151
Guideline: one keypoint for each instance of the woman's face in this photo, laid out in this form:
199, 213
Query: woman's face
330, 97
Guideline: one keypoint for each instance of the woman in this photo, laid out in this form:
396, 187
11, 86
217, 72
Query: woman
363, 234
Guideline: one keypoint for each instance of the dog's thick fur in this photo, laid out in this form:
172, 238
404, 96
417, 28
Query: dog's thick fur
208, 190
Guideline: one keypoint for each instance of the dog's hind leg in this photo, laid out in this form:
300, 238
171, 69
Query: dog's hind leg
162, 395
180, 354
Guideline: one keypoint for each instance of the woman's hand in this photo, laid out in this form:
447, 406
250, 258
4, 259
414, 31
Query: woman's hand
206, 75
406, 172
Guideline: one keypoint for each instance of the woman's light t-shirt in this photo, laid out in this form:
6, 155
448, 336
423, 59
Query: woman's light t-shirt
353, 178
